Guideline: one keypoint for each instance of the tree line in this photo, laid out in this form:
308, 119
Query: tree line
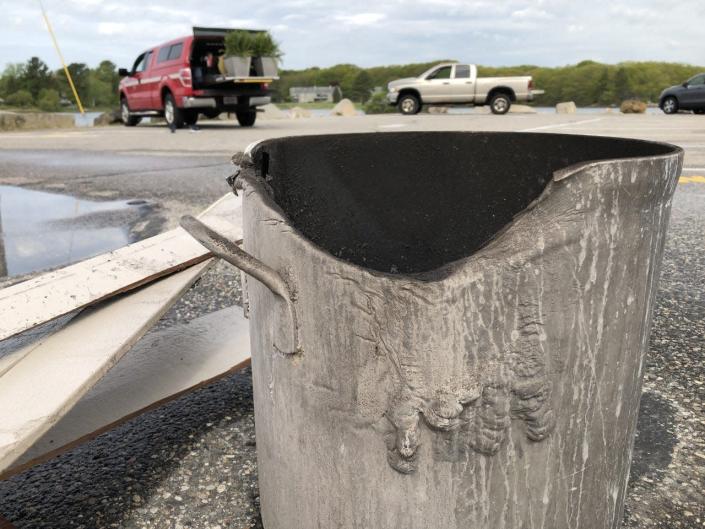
586, 83
33, 84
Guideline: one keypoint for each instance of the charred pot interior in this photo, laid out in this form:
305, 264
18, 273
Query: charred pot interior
412, 202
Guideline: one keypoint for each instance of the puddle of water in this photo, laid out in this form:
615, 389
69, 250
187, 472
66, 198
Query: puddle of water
40, 230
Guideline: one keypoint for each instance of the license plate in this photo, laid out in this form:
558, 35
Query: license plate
230, 100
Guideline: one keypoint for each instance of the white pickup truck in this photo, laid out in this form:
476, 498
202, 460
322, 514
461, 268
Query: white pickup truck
458, 84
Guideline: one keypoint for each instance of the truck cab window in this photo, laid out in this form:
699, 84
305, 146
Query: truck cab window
462, 71
698, 80
147, 60
139, 63
441, 73
163, 54
142, 62
175, 51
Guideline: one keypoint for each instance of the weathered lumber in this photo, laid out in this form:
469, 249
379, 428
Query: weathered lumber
17, 347
161, 367
41, 388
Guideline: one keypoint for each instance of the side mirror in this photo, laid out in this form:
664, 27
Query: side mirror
685, 85
122, 72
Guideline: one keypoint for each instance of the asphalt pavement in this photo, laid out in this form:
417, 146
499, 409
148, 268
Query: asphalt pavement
192, 463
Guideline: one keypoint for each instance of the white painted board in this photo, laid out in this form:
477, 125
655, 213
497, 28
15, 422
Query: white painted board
41, 388
162, 366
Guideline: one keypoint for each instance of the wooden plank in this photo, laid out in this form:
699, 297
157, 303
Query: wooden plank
16, 348
161, 367
46, 297
40, 389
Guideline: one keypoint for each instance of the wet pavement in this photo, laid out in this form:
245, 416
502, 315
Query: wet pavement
40, 230
192, 463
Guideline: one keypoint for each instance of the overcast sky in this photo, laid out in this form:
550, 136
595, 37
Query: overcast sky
370, 32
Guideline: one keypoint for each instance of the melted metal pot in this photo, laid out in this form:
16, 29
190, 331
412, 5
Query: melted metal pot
448, 329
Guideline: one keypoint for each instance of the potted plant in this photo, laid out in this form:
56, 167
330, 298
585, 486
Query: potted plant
266, 54
238, 53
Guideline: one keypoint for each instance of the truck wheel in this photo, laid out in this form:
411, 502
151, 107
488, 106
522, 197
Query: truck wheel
669, 105
246, 118
500, 103
409, 104
191, 117
127, 118
173, 115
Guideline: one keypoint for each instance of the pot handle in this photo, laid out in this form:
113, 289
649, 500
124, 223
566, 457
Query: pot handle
233, 254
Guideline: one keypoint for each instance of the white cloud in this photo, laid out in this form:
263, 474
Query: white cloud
361, 19
532, 13
112, 28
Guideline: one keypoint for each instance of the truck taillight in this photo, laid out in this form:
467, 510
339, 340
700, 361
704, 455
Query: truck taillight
531, 84
265, 86
185, 77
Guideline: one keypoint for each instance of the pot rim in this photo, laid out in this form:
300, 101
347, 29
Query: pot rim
446, 270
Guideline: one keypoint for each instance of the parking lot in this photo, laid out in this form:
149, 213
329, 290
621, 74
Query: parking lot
192, 463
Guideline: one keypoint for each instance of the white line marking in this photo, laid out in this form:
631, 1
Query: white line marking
694, 168
559, 125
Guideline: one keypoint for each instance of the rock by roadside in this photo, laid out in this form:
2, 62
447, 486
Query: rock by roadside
272, 111
10, 121
345, 108
632, 106
566, 108
298, 112
108, 118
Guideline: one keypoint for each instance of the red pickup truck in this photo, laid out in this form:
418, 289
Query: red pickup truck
183, 78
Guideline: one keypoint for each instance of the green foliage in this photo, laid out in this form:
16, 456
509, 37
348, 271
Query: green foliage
263, 45
378, 104
361, 87
21, 98
337, 94
592, 83
238, 44
36, 76
80, 74
10, 80
97, 87
103, 86
587, 83
48, 100
343, 75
